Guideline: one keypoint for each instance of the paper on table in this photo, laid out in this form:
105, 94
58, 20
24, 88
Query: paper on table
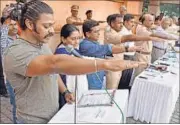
96, 115
96, 99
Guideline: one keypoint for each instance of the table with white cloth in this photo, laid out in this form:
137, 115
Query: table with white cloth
95, 114
154, 94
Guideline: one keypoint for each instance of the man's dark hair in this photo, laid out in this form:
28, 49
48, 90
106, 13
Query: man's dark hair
108, 19
142, 18
162, 14
157, 18
128, 17
2, 20
114, 17
32, 11
88, 11
88, 25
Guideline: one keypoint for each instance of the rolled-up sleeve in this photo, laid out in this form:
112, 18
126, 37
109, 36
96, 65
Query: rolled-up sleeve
163, 33
95, 50
18, 62
112, 38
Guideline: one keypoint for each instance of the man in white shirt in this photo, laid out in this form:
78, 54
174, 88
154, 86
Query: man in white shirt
75, 19
173, 28
112, 36
128, 22
159, 48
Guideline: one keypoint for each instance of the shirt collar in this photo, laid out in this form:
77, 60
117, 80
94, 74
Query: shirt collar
126, 29
113, 31
12, 38
96, 42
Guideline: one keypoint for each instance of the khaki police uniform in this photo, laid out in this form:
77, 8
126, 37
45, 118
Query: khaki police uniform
144, 56
113, 37
72, 19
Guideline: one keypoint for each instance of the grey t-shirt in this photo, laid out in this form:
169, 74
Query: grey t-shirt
36, 97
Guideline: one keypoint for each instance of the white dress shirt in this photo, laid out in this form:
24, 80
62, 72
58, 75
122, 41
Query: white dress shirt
123, 32
160, 31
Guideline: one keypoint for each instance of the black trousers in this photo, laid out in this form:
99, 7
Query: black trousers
3, 89
126, 75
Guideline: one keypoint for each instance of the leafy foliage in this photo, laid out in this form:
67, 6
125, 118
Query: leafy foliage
170, 9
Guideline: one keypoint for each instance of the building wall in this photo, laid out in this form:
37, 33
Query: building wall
134, 7
170, 1
101, 9
154, 6
62, 8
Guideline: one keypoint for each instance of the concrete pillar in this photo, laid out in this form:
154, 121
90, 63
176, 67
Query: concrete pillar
134, 7
154, 7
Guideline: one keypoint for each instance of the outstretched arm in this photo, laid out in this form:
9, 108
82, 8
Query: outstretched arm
70, 21
44, 64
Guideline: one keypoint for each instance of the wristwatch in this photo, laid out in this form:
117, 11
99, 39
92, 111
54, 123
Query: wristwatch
65, 92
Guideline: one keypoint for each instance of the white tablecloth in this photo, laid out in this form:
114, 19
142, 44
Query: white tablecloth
98, 114
153, 99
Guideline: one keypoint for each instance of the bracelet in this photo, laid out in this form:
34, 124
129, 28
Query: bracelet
95, 64
65, 92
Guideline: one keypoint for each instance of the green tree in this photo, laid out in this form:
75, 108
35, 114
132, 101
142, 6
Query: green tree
145, 6
170, 9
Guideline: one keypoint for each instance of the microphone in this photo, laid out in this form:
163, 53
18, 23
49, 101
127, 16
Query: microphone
71, 50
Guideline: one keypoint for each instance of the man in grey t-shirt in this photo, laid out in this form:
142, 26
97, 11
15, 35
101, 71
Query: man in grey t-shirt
36, 95
30, 66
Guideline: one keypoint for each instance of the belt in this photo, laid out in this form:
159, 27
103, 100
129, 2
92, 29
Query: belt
145, 53
158, 48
